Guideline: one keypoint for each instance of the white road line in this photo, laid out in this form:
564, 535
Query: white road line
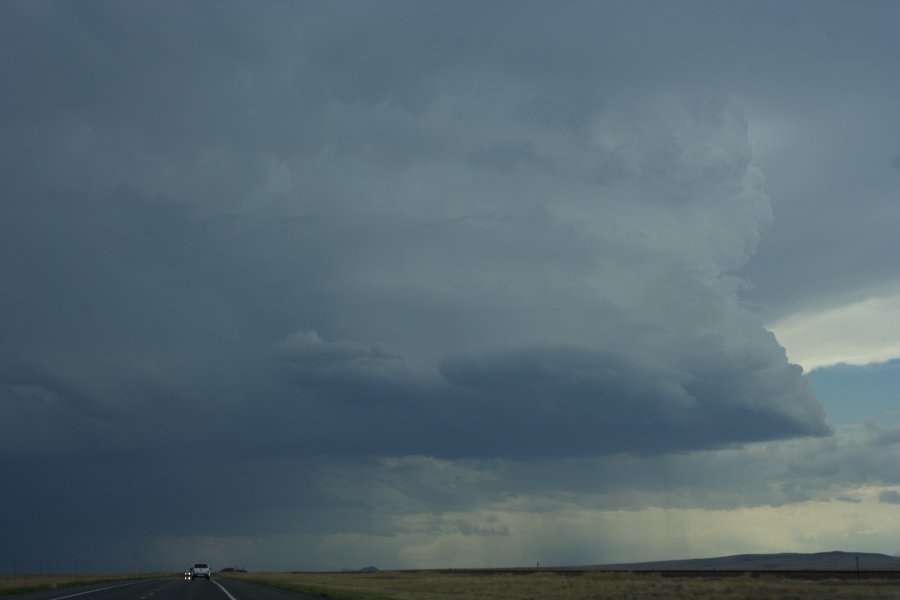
227, 593
109, 587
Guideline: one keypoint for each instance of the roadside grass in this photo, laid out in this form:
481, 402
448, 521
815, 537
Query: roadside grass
20, 584
441, 585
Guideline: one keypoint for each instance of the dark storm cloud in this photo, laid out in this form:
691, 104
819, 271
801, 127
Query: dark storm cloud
585, 400
186, 222
310, 361
252, 236
842, 98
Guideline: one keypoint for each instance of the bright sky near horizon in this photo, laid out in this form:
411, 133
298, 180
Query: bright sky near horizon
861, 333
447, 284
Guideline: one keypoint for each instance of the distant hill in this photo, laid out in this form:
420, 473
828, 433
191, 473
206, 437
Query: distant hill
785, 561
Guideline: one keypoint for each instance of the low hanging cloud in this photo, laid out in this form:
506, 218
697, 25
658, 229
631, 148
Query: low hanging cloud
573, 400
311, 362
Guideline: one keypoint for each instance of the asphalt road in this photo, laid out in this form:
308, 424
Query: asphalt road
166, 589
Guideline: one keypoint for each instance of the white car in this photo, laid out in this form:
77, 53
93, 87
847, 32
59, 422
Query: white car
198, 570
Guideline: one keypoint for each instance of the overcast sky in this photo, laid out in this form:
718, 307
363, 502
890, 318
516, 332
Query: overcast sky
329, 284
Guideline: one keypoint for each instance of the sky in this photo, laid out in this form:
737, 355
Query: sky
325, 285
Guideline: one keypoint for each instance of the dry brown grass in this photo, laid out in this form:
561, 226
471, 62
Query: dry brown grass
17, 584
439, 585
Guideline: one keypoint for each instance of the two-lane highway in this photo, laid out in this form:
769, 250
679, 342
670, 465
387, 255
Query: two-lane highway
166, 589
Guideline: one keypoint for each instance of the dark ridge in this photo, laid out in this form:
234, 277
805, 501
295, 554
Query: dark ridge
824, 561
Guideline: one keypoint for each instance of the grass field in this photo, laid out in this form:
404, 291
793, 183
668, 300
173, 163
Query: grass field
440, 585
17, 584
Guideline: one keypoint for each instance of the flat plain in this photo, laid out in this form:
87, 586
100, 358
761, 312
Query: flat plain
16, 584
579, 585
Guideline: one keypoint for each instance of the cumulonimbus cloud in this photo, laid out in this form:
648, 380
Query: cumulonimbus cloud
583, 304
480, 254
